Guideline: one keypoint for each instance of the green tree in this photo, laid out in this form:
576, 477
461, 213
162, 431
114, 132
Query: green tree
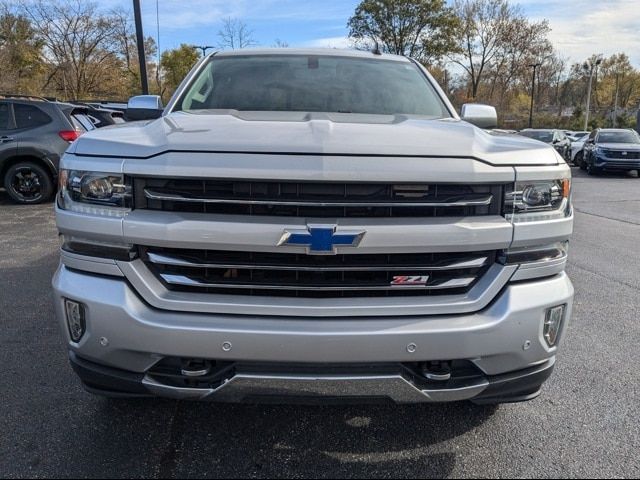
421, 29
175, 65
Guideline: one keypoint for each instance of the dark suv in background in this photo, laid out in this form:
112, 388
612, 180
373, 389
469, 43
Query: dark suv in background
34, 133
556, 138
609, 149
102, 117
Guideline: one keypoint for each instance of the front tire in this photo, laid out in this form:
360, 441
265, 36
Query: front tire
579, 161
28, 183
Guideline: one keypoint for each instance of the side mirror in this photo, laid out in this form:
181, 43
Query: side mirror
483, 116
144, 107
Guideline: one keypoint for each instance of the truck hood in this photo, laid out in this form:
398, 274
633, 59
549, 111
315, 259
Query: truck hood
304, 133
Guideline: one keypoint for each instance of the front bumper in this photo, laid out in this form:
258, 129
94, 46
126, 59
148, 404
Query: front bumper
616, 164
127, 336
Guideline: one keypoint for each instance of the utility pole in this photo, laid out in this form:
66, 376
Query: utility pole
533, 90
142, 57
203, 48
590, 66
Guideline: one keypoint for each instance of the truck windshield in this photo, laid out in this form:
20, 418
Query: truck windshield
302, 83
618, 137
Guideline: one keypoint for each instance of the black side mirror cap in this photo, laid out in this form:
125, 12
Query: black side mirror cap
134, 114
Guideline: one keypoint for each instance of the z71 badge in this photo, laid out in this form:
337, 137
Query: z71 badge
408, 280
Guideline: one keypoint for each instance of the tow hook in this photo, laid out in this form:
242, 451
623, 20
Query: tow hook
196, 368
437, 371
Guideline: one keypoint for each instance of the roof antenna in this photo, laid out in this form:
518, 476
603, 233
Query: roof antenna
376, 48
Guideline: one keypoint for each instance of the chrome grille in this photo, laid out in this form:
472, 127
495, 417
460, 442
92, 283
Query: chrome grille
318, 200
297, 275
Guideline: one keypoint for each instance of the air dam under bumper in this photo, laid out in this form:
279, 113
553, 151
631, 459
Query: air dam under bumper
126, 336
261, 387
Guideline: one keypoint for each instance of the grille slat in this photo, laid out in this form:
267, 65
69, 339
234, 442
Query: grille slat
464, 201
187, 281
319, 200
471, 262
622, 154
299, 275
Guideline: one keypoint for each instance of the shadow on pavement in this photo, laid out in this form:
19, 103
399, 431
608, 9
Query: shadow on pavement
294, 441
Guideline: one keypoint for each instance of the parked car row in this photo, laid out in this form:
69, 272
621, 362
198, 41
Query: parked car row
603, 149
34, 133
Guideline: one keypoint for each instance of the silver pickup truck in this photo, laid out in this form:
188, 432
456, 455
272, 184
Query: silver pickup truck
313, 225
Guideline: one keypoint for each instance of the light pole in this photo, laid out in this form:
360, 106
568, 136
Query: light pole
203, 48
533, 90
142, 57
590, 67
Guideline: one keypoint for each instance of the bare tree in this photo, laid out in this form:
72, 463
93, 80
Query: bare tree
485, 27
235, 35
79, 44
280, 44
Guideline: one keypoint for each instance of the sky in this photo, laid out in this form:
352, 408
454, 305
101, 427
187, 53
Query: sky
580, 27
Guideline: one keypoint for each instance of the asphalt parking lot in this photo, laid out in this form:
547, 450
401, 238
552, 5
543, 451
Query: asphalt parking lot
585, 425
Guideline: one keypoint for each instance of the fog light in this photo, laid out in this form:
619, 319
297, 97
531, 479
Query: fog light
553, 323
75, 320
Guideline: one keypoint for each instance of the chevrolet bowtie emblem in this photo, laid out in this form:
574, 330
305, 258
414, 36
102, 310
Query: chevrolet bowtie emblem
321, 239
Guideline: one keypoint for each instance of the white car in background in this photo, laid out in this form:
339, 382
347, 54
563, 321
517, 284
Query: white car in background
576, 149
575, 135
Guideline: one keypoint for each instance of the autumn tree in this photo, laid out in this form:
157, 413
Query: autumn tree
21, 54
127, 50
421, 29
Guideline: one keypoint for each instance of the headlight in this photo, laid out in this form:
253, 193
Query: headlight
94, 193
538, 200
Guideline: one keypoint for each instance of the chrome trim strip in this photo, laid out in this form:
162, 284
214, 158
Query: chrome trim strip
160, 259
101, 266
241, 386
183, 280
483, 200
